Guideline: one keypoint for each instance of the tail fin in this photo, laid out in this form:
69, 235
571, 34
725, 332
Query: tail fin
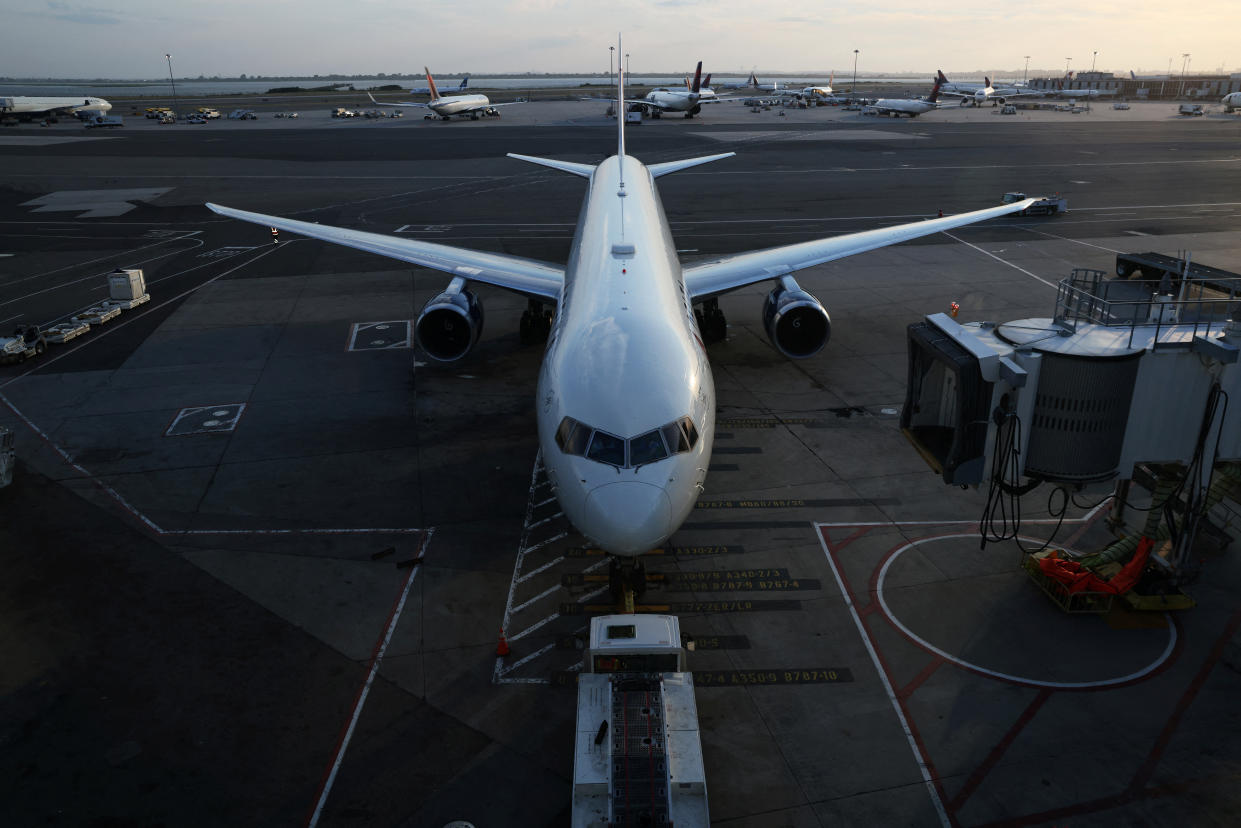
832, 78
935, 89
986, 82
465, 82
706, 82
941, 77
435, 95
620, 107
697, 78
753, 81
1132, 76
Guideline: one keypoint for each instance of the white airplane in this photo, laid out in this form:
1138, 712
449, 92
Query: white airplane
26, 108
1231, 101
913, 107
750, 83
978, 95
819, 91
625, 399
446, 106
661, 100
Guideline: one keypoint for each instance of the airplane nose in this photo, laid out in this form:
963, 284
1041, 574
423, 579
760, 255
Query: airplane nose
628, 518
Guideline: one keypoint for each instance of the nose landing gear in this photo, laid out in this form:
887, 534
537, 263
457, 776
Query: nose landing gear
626, 581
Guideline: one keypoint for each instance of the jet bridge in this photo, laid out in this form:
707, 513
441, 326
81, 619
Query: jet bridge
1124, 374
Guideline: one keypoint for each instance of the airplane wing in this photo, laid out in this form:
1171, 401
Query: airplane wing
394, 103
525, 276
707, 279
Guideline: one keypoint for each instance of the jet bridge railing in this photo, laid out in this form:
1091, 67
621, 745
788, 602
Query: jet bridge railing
1087, 296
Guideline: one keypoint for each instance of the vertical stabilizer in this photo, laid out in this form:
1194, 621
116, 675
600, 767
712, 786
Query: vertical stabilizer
697, 79
435, 95
986, 82
706, 82
620, 107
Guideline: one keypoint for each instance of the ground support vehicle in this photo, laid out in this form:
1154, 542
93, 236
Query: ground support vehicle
1045, 206
26, 341
638, 755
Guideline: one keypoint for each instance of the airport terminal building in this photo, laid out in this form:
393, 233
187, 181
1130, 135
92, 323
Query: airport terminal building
1161, 87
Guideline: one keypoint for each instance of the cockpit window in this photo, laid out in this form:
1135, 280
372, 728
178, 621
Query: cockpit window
575, 437
606, 448
647, 448
572, 436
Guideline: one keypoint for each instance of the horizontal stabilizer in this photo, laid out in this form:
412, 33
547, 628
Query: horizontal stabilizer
676, 166
584, 170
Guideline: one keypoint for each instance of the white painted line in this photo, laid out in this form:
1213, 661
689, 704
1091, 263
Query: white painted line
1001, 261
541, 651
11, 318
544, 502
542, 568
534, 627
936, 801
376, 658
1074, 241
960, 662
535, 599
407, 530
547, 542
545, 520
958, 521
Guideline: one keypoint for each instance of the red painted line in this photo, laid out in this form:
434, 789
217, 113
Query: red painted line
836, 547
1161, 743
918, 680
997, 752
1137, 788
346, 730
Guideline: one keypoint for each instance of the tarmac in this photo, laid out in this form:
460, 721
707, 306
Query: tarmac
259, 550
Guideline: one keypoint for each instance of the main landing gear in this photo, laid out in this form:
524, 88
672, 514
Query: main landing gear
536, 324
711, 321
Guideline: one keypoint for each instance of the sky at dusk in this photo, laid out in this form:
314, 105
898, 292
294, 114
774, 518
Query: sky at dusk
128, 38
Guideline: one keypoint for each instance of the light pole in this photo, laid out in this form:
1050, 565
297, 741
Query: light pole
1067, 61
853, 91
1093, 59
172, 80
611, 51
1184, 66
626, 63
1025, 75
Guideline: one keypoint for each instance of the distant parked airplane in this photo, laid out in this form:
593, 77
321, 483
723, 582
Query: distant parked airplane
913, 107
978, 95
26, 108
446, 106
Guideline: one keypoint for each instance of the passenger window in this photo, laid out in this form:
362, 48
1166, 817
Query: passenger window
646, 448
572, 436
606, 448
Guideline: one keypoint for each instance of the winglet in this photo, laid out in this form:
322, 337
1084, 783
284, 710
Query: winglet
435, 95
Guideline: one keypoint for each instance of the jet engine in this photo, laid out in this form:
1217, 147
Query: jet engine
797, 324
450, 324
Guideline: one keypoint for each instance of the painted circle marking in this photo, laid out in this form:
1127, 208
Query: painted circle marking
986, 671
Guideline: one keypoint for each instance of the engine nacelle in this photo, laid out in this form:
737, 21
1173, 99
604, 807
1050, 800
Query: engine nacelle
450, 324
797, 324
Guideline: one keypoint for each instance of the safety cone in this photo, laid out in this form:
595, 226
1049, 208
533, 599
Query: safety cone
941, 213
502, 647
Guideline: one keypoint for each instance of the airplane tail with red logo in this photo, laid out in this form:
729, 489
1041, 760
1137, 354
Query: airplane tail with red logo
435, 95
939, 81
697, 85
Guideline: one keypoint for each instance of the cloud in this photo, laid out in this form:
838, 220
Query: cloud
88, 15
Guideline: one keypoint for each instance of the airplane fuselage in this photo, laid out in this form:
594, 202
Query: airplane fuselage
450, 105
672, 100
23, 105
626, 362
